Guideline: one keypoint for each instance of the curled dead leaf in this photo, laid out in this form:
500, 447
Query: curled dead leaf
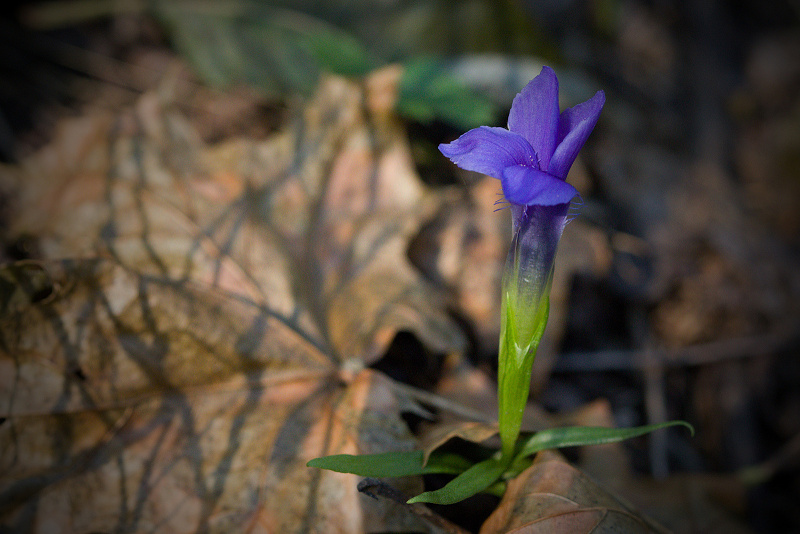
473, 431
552, 496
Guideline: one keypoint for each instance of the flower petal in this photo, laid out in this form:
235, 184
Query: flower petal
531, 187
574, 127
489, 150
534, 114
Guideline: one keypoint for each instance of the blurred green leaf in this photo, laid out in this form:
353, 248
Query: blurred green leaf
341, 53
281, 46
428, 91
282, 51
274, 49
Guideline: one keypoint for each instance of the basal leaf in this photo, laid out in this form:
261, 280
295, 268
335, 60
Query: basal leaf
471, 482
390, 464
556, 438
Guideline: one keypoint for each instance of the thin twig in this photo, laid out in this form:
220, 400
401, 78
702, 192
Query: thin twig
656, 406
784, 457
695, 355
431, 399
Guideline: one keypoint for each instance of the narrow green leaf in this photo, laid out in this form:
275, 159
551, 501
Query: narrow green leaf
446, 463
555, 438
388, 464
474, 480
391, 464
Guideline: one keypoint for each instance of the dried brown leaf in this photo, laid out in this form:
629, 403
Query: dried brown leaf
552, 496
473, 431
210, 331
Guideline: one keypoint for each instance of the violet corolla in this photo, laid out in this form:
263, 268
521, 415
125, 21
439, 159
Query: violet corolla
531, 159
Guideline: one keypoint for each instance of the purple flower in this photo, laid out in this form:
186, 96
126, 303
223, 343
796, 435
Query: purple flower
531, 159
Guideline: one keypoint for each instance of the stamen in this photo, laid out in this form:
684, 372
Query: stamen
574, 209
502, 202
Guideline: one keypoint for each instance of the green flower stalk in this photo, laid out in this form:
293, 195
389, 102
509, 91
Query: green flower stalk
531, 159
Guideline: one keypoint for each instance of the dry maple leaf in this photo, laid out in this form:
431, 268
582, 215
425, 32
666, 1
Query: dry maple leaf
553, 497
199, 322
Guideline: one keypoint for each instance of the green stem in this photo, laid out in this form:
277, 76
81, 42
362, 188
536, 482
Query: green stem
515, 365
